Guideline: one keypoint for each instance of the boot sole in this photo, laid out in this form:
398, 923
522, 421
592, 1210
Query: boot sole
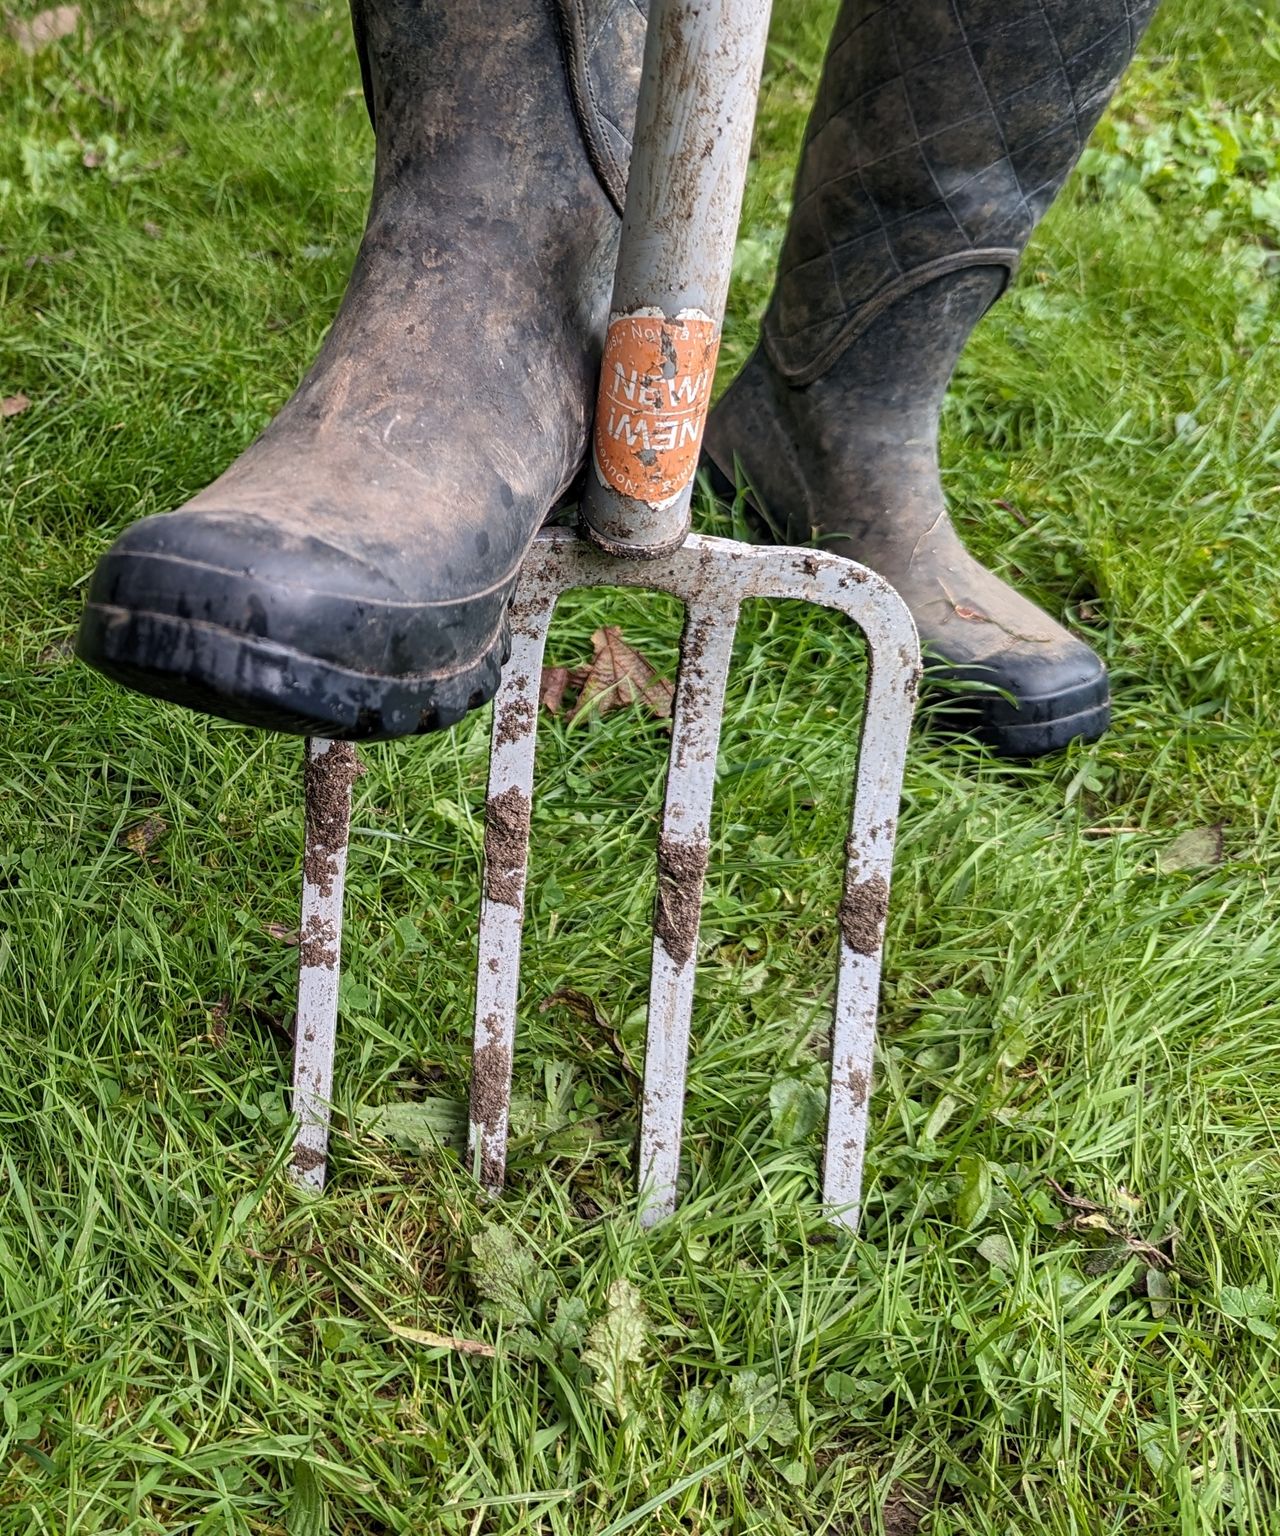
1028, 727
259, 682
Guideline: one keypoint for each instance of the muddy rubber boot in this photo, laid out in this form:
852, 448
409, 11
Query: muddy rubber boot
349, 575
942, 131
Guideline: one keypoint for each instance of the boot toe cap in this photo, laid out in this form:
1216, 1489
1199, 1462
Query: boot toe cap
1031, 701
245, 617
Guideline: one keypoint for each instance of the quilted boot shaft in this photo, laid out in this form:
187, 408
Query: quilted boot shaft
941, 133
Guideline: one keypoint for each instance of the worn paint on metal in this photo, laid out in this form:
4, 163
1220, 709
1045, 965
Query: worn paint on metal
655, 393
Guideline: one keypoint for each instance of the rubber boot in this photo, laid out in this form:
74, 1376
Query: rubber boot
942, 131
349, 575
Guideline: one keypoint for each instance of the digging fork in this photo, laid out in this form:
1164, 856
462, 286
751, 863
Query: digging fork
702, 68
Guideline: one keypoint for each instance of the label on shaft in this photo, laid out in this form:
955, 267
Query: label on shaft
655, 391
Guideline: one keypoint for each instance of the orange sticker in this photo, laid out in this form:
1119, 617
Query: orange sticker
655, 391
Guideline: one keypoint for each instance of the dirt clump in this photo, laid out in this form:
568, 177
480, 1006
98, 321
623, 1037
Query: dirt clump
863, 908
490, 1097
506, 838
681, 868
318, 943
518, 718
328, 782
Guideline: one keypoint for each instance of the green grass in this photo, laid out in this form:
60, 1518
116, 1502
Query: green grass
187, 1345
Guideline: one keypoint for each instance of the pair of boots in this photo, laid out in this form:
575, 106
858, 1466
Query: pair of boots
349, 575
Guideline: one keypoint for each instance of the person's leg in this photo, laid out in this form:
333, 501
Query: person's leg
349, 574
942, 131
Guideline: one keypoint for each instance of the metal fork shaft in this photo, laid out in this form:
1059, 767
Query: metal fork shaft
702, 66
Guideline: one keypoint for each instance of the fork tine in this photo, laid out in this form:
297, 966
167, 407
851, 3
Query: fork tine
331, 769
506, 865
705, 651
886, 724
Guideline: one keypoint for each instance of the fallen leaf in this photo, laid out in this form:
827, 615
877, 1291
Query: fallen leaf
13, 405
995, 1248
555, 683
57, 653
618, 676
1159, 1292
142, 838
420, 1125
218, 1016
45, 27
1072, 1202
282, 932
1102, 1226
431, 1340
1197, 848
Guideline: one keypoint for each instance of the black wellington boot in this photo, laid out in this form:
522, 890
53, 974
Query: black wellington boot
349, 575
942, 131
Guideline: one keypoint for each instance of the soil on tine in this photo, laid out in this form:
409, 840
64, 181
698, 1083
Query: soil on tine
506, 839
490, 1101
327, 781
681, 869
863, 909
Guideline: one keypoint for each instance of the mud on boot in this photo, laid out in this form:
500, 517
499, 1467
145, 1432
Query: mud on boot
348, 576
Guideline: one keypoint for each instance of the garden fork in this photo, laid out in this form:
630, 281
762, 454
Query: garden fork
702, 68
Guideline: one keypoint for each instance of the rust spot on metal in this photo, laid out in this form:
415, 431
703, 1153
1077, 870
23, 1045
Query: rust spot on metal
506, 842
863, 908
327, 782
681, 869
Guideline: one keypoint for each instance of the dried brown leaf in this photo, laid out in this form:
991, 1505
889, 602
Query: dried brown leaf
142, 838
577, 1003
556, 682
13, 405
1196, 848
45, 27
1095, 1222
218, 1016
49, 259
430, 1340
619, 675
283, 933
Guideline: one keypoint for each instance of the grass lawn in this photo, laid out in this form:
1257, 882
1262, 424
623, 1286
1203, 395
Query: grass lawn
1062, 1311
